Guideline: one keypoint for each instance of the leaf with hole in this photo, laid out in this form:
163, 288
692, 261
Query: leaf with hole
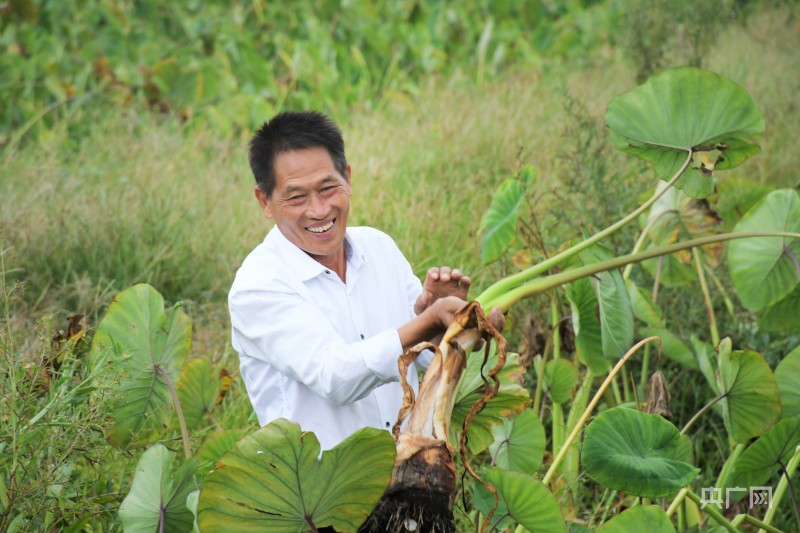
751, 403
138, 351
274, 480
686, 109
766, 270
157, 500
634, 452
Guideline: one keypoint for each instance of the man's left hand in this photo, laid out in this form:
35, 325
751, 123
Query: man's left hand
441, 282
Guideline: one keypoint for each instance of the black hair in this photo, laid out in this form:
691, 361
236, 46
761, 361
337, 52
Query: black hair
293, 130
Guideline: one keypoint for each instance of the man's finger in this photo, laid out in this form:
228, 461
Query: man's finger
444, 274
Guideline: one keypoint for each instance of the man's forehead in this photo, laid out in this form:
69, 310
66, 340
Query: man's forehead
297, 183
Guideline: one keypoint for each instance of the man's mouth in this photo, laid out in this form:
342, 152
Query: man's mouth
321, 229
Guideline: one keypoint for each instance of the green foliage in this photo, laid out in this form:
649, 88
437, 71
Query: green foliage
197, 391
277, 471
499, 223
686, 109
586, 323
138, 349
511, 398
560, 378
787, 376
634, 452
157, 500
519, 443
641, 518
767, 270
771, 451
525, 499
751, 403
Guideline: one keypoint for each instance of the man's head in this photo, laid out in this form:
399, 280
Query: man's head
290, 131
302, 184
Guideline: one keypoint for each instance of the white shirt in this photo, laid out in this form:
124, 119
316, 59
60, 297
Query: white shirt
318, 351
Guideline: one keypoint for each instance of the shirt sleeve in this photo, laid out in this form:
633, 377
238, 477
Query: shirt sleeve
283, 329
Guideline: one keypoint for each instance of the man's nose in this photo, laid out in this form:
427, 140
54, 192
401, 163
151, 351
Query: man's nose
317, 207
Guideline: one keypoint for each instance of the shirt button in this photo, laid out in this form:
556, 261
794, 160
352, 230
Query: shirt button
362, 336
388, 424
327, 271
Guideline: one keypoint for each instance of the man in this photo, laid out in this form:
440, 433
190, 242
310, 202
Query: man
321, 312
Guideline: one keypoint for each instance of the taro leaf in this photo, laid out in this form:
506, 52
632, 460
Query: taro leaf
630, 451
511, 398
682, 109
765, 270
771, 450
560, 377
273, 480
135, 346
644, 308
197, 390
157, 494
736, 197
672, 346
783, 316
787, 376
526, 499
650, 518
586, 324
519, 443
751, 404
499, 223
616, 314
214, 447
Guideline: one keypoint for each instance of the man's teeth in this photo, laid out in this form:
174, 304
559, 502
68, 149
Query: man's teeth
321, 229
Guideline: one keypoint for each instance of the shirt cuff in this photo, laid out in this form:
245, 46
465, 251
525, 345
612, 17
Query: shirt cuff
381, 356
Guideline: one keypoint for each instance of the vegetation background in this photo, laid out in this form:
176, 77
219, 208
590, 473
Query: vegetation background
123, 132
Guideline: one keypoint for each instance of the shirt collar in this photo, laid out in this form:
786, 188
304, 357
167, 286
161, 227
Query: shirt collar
302, 265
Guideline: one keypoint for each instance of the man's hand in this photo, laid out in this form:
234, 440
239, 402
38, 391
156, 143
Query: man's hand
441, 282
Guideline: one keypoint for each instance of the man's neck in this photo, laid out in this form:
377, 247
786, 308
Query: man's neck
336, 262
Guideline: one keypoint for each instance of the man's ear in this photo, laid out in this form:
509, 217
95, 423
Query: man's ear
347, 179
263, 201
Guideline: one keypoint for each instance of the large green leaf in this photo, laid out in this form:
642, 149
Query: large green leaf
648, 518
765, 270
586, 324
787, 376
751, 404
672, 346
214, 447
782, 316
519, 443
197, 391
736, 197
560, 377
158, 496
499, 223
634, 452
616, 313
764, 456
273, 480
686, 109
511, 398
136, 345
523, 497
670, 270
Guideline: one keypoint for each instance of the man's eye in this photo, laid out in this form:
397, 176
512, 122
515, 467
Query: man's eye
298, 198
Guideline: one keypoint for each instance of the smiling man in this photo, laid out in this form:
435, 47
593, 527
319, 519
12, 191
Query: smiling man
319, 311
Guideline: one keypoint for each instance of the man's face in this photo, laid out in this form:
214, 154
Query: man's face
310, 202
